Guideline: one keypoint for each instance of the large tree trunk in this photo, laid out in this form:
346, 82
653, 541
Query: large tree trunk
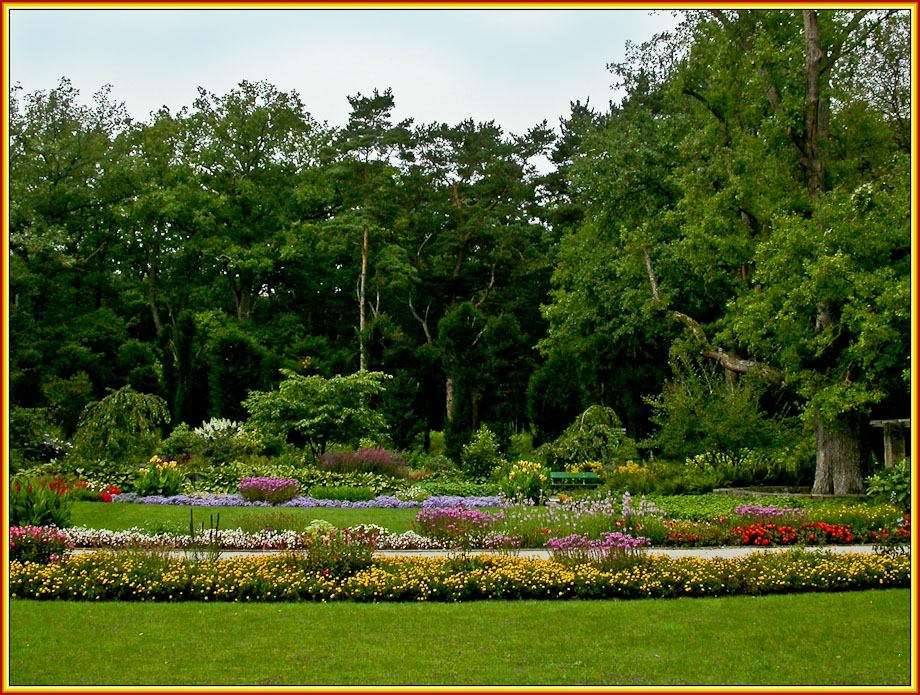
362, 301
842, 457
449, 404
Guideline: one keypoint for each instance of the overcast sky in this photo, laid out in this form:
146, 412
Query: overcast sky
517, 67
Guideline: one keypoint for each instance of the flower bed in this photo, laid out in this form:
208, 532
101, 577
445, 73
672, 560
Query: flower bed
236, 539
379, 502
136, 577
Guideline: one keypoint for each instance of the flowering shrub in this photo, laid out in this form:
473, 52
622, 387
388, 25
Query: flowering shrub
39, 502
768, 512
37, 544
160, 477
466, 528
604, 552
270, 490
379, 461
523, 480
338, 552
129, 577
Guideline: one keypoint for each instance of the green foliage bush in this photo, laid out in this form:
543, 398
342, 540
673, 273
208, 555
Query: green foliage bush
459, 488
122, 427
892, 484
39, 502
699, 411
347, 493
430, 463
315, 411
30, 430
596, 435
481, 456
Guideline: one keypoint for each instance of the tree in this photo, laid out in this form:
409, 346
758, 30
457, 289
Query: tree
123, 427
721, 215
247, 149
316, 411
364, 175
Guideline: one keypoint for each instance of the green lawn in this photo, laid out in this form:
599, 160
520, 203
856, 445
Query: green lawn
158, 517
859, 638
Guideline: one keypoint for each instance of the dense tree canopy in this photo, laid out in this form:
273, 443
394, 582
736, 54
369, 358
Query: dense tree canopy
746, 202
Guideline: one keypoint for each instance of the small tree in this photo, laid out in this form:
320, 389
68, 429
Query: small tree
596, 435
700, 411
481, 456
122, 427
316, 411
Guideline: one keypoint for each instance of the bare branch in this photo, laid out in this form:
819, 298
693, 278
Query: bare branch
423, 321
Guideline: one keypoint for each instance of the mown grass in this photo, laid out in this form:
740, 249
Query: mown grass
175, 519
858, 638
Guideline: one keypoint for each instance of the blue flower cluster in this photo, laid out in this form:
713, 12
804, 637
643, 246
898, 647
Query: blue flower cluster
381, 502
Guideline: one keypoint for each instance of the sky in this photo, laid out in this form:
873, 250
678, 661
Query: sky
515, 66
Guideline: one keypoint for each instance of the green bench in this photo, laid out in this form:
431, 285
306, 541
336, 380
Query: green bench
569, 480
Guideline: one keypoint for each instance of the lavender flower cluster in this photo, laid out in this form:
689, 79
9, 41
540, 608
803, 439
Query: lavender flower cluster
380, 502
768, 512
271, 490
610, 546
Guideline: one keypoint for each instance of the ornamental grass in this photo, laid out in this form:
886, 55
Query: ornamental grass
286, 577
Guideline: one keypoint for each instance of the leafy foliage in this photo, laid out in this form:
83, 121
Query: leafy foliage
39, 502
124, 426
892, 484
481, 456
317, 411
596, 435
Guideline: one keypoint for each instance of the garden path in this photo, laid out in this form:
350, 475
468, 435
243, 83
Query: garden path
705, 553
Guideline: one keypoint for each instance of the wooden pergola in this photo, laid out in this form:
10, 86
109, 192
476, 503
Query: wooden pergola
894, 433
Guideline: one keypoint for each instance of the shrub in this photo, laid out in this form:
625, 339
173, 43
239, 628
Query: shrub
39, 502
378, 461
316, 411
37, 544
699, 411
481, 456
523, 480
337, 552
162, 477
347, 493
122, 426
596, 435
271, 490
892, 484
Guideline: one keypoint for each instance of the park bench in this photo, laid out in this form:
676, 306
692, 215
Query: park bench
569, 480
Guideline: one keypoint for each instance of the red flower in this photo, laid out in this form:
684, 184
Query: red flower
114, 490
106, 497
